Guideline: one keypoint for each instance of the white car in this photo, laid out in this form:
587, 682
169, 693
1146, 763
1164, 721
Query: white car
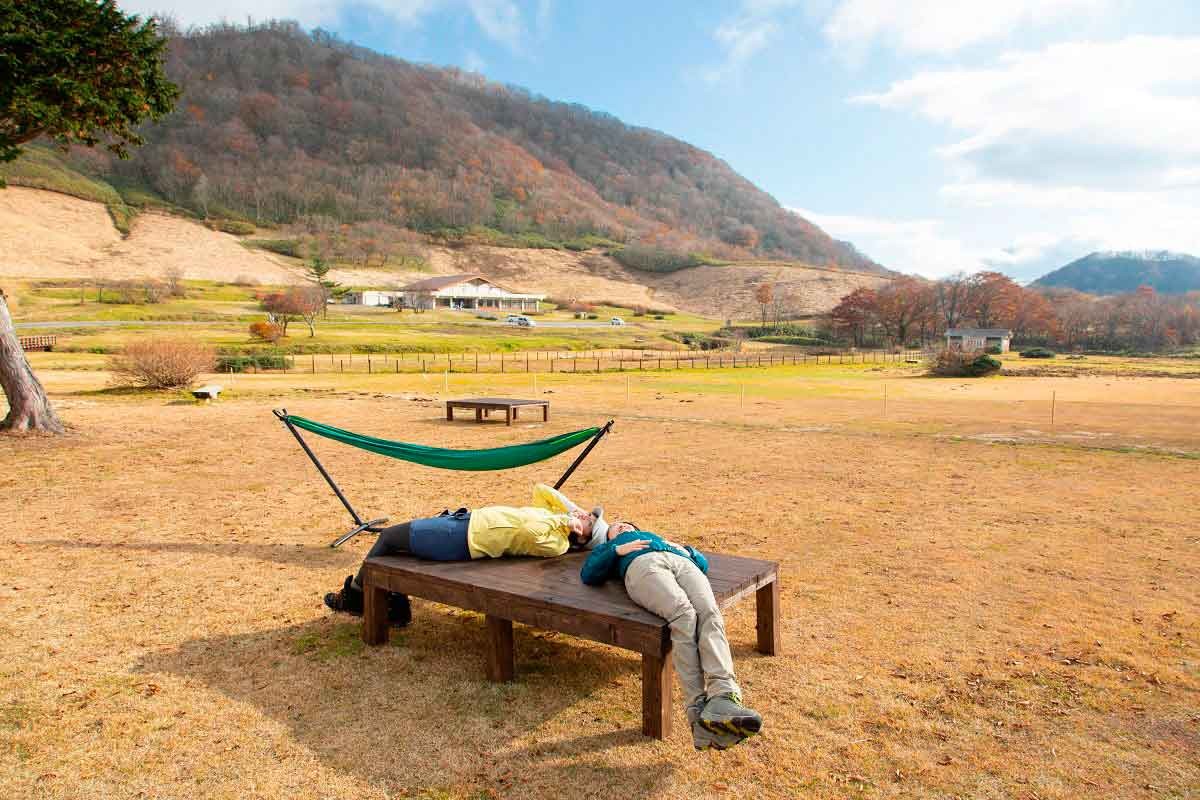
616, 321
513, 319
526, 322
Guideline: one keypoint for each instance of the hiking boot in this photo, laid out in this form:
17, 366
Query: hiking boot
350, 601
726, 714
399, 610
347, 600
703, 738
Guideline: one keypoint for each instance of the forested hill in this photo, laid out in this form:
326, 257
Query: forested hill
276, 125
1117, 273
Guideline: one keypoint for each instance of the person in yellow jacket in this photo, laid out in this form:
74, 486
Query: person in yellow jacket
549, 527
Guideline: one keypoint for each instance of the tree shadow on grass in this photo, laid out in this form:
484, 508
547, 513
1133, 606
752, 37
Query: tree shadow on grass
280, 553
419, 714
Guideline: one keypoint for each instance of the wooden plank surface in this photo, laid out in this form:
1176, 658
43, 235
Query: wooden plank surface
547, 593
495, 402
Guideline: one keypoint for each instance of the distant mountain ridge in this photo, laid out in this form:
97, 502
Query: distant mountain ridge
279, 126
1117, 272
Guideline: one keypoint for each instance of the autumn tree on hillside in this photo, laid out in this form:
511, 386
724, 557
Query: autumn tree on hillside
952, 296
764, 295
76, 72
899, 306
855, 314
1033, 318
992, 298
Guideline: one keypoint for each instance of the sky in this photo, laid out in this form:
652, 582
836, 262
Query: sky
935, 135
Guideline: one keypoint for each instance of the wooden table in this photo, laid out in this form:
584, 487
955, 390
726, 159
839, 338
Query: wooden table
547, 593
486, 405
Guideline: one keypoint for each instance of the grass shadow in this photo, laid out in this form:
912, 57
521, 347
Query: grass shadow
418, 714
280, 553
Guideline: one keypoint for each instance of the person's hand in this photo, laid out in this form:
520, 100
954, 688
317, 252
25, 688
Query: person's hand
632, 547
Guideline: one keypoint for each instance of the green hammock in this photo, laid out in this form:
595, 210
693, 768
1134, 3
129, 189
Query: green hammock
517, 455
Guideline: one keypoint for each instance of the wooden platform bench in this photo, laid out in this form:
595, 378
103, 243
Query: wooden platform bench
486, 405
547, 593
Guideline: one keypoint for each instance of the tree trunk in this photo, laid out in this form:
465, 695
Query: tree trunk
29, 410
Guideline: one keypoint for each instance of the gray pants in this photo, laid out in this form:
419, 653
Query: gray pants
675, 589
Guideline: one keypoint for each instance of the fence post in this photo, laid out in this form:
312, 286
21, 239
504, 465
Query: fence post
314, 364
368, 365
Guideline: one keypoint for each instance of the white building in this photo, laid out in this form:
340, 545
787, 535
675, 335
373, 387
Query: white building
978, 338
370, 298
470, 291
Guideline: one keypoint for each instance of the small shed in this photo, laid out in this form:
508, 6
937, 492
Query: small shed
979, 338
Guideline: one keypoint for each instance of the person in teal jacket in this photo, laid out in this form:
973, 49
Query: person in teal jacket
670, 580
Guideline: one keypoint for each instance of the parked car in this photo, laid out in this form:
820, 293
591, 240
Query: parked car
616, 321
512, 319
526, 322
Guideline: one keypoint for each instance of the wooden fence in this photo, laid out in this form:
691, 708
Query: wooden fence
569, 362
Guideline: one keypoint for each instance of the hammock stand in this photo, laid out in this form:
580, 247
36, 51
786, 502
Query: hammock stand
468, 459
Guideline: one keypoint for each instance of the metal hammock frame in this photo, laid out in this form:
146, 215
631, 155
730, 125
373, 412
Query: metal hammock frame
373, 525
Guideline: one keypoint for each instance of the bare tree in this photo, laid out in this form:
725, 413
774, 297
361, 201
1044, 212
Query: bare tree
952, 296
29, 408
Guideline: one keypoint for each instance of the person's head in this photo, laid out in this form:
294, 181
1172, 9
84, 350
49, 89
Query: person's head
586, 529
617, 528
580, 525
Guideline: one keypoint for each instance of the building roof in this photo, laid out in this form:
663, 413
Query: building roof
442, 281
979, 332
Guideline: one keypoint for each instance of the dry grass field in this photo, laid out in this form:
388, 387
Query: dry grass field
976, 604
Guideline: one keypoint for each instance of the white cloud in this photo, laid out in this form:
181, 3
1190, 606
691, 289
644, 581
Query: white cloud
499, 20
944, 26
929, 248
917, 246
1106, 115
740, 40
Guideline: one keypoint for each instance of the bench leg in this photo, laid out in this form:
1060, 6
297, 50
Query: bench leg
501, 660
508, 412
545, 413
479, 415
375, 615
767, 605
656, 695
450, 413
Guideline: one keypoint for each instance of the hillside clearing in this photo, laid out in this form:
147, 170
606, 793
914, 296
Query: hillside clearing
49, 235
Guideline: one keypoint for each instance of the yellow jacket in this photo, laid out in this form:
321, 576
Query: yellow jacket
537, 530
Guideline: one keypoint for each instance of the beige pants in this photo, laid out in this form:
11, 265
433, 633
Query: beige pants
675, 589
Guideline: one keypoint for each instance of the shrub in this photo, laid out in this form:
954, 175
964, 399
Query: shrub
659, 316
652, 259
700, 341
284, 247
241, 363
807, 341
161, 363
491, 317
235, 226
266, 331
955, 363
1038, 352
133, 292
593, 316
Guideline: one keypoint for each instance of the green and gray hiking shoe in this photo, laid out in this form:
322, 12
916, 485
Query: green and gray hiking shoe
726, 714
702, 737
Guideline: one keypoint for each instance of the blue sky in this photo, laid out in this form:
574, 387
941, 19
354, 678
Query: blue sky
937, 135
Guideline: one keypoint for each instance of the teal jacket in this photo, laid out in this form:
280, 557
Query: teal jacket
604, 561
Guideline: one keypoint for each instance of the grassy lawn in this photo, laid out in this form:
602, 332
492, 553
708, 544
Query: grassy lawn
227, 310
